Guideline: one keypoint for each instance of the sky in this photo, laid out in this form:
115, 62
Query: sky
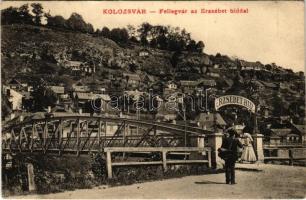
271, 31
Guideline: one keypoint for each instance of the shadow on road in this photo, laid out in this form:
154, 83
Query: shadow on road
208, 182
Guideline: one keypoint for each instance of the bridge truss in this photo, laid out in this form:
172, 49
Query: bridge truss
84, 134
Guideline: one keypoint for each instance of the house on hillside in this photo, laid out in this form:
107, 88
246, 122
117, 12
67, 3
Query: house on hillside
245, 65
15, 98
134, 94
132, 80
169, 88
188, 87
58, 90
207, 121
213, 72
283, 135
143, 53
80, 87
299, 130
258, 85
271, 86
73, 65
148, 78
18, 85
166, 115
80, 99
78, 67
207, 83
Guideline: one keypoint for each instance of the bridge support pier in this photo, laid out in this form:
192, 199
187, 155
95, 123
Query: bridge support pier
215, 142
258, 145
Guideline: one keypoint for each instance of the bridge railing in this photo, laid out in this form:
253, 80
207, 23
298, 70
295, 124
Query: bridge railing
164, 160
285, 154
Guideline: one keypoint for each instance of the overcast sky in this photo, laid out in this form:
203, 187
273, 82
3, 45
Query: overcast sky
270, 32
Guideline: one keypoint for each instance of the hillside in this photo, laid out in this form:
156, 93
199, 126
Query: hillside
36, 52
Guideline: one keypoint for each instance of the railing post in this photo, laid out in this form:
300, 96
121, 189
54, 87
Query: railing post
78, 136
99, 135
109, 164
164, 157
215, 142
31, 183
258, 144
209, 158
290, 157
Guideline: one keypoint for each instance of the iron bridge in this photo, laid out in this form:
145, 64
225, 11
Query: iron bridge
84, 134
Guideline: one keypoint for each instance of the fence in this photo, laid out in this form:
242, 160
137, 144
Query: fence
164, 161
284, 154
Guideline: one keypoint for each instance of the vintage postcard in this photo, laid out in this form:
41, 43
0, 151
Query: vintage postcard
153, 100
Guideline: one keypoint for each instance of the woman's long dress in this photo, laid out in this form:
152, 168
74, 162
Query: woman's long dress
248, 153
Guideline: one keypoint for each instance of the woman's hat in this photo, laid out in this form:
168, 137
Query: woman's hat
232, 132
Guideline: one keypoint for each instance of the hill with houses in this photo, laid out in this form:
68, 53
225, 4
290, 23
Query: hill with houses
70, 68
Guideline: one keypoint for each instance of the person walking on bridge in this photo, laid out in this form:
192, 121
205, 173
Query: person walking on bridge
248, 153
228, 152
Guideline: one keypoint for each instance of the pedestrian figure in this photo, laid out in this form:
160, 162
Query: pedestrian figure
228, 152
248, 153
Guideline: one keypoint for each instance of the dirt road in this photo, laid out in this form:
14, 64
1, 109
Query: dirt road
254, 181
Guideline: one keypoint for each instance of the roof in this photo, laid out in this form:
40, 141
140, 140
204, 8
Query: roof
151, 78
134, 93
14, 81
244, 63
132, 76
170, 82
80, 88
258, 83
91, 96
213, 70
166, 114
229, 82
281, 132
57, 89
270, 85
209, 117
70, 63
189, 83
300, 128
207, 82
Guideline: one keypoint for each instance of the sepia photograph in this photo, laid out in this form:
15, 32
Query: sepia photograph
153, 100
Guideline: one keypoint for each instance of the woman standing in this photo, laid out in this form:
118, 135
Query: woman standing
248, 153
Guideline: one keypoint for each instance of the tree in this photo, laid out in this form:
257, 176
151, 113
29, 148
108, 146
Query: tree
24, 14
131, 31
77, 23
56, 21
105, 32
5, 106
192, 45
119, 35
200, 47
175, 58
37, 9
144, 31
10, 16
43, 97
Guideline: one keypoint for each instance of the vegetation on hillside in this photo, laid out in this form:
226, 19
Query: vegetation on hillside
162, 37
